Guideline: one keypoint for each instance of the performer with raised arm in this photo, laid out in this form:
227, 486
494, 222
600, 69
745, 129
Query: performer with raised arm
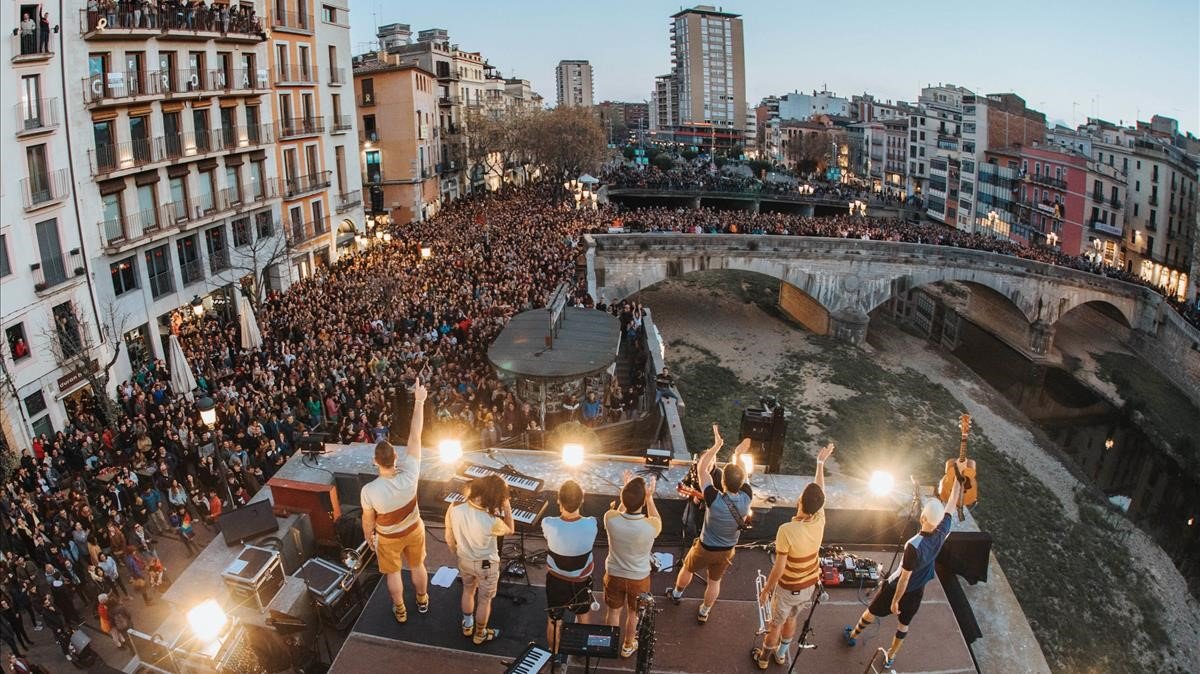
632, 527
902, 593
793, 579
391, 521
727, 508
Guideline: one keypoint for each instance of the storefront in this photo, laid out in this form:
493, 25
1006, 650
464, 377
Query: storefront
1171, 282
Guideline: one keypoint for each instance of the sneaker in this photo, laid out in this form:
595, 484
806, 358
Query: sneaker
630, 649
669, 593
846, 635
400, 612
760, 658
889, 663
422, 603
484, 635
781, 658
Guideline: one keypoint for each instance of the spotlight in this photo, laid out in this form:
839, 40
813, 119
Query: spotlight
1108, 444
207, 619
426, 252
881, 483
450, 451
572, 454
748, 464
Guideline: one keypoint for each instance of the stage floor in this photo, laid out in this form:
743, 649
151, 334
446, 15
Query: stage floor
432, 642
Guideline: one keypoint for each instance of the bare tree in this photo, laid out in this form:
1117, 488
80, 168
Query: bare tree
567, 141
809, 151
69, 338
256, 257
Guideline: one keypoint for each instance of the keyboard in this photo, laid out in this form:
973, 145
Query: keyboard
526, 510
513, 478
531, 661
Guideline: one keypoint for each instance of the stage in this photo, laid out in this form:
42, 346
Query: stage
433, 643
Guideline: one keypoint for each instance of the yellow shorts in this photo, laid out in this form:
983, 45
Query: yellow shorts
408, 548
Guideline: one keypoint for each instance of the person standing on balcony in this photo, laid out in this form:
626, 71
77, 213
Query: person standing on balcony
28, 41
44, 33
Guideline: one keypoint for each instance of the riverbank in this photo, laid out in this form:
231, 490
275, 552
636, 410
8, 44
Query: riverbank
1077, 570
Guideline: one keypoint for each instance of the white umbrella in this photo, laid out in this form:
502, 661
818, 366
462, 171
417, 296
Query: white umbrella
182, 380
588, 179
251, 337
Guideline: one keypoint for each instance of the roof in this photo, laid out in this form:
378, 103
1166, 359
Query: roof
586, 344
705, 9
369, 67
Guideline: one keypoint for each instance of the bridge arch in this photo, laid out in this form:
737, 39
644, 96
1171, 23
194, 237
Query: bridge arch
1115, 309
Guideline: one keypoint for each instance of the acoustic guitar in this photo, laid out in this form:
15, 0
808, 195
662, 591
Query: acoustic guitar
970, 488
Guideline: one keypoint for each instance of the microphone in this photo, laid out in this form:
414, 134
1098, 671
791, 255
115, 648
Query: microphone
595, 606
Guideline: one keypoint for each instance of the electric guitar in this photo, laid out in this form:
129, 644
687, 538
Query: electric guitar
970, 487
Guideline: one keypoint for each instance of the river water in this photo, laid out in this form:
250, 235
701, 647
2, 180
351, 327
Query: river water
1102, 440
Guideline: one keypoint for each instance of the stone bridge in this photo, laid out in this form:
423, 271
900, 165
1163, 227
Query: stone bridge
841, 281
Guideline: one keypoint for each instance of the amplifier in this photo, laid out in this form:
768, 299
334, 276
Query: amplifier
656, 456
319, 501
254, 576
598, 641
250, 521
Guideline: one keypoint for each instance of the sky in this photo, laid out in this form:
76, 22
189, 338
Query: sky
1069, 59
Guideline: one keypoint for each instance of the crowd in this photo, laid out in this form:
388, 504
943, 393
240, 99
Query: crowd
702, 177
174, 15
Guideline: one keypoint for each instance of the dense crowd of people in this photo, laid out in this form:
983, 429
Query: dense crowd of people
701, 176
81, 510
193, 15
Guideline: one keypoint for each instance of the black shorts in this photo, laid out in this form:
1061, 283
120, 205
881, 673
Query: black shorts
881, 603
564, 595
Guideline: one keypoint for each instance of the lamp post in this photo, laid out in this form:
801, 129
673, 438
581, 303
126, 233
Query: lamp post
208, 416
197, 306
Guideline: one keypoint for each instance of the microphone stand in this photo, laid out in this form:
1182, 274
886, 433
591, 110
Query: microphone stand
806, 630
914, 514
556, 614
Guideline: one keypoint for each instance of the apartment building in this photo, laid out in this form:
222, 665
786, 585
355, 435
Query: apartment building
703, 100
573, 82
314, 131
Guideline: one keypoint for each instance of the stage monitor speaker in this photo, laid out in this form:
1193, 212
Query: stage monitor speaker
318, 501
296, 542
768, 430
349, 487
250, 521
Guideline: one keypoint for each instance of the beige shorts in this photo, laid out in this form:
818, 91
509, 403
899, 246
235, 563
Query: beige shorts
714, 563
786, 604
487, 579
407, 548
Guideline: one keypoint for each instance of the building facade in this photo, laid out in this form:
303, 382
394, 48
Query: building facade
800, 107
709, 69
573, 81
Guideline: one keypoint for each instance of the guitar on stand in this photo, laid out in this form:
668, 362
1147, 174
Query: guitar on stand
970, 487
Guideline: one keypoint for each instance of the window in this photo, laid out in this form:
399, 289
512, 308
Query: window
66, 326
39, 174
158, 270
329, 14
368, 91
5, 268
374, 173
178, 187
31, 114
137, 345
124, 276
148, 205
189, 260
218, 252
207, 203
228, 127
263, 225
233, 189
35, 404
200, 123
54, 269
257, 180
18, 346
241, 232
253, 130
172, 134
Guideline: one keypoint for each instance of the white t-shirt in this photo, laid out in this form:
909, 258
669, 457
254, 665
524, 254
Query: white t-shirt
475, 532
570, 539
630, 540
387, 494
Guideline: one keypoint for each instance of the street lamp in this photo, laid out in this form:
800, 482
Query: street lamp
197, 306
208, 411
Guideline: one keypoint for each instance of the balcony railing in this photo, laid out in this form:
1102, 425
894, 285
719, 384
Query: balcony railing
249, 136
189, 211
341, 124
1051, 181
307, 126
1153, 200
1115, 202
107, 159
115, 87
337, 75
36, 115
27, 47
292, 21
237, 79
194, 144
302, 232
295, 74
242, 197
40, 190
131, 228
300, 185
199, 21
218, 260
371, 136
191, 271
56, 270
349, 200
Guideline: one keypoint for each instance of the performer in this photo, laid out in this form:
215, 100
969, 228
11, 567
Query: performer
902, 592
725, 513
796, 570
569, 562
471, 531
632, 528
391, 521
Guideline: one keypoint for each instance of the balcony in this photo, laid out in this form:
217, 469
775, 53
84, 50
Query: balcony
341, 124
202, 22
337, 76
109, 159
192, 271
1153, 201
299, 233
1115, 202
290, 188
36, 116
189, 145
238, 80
42, 190
54, 271
371, 136
297, 128
25, 48
447, 167
349, 200
367, 100
120, 88
131, 229
241, 198
218, 260
286, 74
240, 137
292, 22
1049, 181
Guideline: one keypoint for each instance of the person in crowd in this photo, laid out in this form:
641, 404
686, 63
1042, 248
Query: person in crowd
632, 527
570, 538
10, 615
726, 513
471, 531
793, 579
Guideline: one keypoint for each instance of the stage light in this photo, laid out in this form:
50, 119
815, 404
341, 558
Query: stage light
450, 450
1108, 444
426, 252
881, 483
207, 619
572, 454
748, 463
